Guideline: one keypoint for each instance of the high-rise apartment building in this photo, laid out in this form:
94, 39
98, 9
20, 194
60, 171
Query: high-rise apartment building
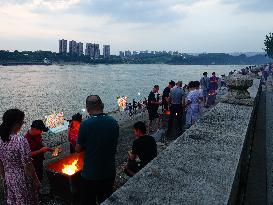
106, 51
62, 46
92, 50
89, 50
73, 47
79, 49
121, 54
97, 51
128, 53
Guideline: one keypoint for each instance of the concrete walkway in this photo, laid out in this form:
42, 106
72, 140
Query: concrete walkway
269, 140
259, 187
256, 183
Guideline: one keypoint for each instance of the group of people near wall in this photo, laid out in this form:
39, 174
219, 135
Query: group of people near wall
180, 101
21, 158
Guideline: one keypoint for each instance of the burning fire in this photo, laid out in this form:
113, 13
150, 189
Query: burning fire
70, 169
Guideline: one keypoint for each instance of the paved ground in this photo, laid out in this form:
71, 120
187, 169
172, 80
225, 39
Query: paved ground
256, 184
259, 188
269, 140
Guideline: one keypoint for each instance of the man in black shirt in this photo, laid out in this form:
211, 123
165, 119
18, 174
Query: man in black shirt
152, 107
166, 95
144, 147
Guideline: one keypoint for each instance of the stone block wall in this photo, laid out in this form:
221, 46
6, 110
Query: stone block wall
208, 164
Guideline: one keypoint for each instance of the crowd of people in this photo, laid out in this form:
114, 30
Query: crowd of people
179, 101
21, 159
135, 106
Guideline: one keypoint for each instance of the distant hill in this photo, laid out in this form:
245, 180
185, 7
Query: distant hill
247, 53
249, 58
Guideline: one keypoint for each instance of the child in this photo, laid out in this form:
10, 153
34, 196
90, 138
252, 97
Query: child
73, 131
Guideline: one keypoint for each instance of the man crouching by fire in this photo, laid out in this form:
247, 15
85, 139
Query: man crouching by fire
144, 148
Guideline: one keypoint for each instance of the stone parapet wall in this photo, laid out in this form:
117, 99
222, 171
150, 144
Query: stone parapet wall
208, 164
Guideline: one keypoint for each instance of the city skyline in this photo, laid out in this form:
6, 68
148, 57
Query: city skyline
188, 26
92, 50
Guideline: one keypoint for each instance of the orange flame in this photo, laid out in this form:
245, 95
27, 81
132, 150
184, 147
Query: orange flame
70, 169
167, 112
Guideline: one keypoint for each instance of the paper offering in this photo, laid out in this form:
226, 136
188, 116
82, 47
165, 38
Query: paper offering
122, 102
54, 120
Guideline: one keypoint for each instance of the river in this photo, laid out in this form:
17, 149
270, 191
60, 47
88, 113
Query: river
40, 90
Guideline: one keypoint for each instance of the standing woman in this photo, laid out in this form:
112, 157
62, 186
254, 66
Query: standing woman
16, 166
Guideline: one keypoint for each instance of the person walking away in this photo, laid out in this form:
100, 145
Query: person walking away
205, 81
134, 106
152, 108
144, 147
73, 131
194, 98
266, 72
35, 141
139, 106
144, 105
98, 136
16, 168
166, 95
222, 82
176, 110
213, 82
130, 109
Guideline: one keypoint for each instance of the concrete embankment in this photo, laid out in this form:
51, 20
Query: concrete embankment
208, 164
269, 140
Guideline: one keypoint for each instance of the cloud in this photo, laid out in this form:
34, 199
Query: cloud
53, 5
252, 5
135, 11
4, 2
184, 25
42, 4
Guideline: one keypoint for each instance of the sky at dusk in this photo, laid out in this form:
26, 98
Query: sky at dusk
191, 26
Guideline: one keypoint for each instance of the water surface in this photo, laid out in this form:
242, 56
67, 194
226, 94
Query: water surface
40, 90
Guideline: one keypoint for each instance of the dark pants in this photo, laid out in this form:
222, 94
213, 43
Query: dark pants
39, 169
72, 149
132, 166
165, 106
96, 190
153, 114
176, 111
